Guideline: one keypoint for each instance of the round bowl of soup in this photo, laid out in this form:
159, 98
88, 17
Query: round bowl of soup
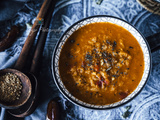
101, 62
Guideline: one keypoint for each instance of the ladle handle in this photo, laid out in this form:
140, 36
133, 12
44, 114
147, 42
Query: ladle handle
42, 39
31, 37
154, 42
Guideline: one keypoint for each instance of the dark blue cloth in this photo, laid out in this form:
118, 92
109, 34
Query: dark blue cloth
144, 107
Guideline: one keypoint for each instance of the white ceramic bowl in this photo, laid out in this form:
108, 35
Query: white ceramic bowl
101, 18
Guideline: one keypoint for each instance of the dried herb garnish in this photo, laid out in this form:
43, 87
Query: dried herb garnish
128, 51
114, 44
108, 69
99, 83
113, 60
105, 61
108, 42
94, 49
115, 76
117, 71
121, 73
98, 2
89, 64
127, 113
104, 54
91, 68
88, 57
130, 47
110, 55
97, 63
72, 41
97, 56
83, 64
69, 55
84, 82
125, 73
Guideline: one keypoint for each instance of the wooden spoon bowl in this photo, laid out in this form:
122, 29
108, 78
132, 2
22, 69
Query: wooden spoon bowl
31, 103
25, 93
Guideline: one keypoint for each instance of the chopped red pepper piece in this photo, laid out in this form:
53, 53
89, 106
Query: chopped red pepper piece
123, 94
106, 81
99, 83
96, 68
83, 64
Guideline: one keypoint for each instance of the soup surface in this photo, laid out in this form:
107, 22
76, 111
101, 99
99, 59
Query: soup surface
101, 63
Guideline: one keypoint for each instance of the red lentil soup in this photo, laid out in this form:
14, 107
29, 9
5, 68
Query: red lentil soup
101, 63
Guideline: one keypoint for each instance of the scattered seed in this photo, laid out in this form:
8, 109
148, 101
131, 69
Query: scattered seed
72, 41
109, 69
130, 47
10, 87
108, 42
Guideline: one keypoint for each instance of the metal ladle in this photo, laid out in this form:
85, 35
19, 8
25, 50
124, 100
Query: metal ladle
29, 81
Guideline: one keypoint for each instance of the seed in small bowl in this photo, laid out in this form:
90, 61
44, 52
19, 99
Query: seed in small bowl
10, 87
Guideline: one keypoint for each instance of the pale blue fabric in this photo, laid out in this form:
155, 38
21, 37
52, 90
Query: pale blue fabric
144, 107
158, 1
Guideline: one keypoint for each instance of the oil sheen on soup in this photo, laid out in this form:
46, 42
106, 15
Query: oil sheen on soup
101, 63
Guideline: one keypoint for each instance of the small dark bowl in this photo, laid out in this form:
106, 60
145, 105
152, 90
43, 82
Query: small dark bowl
101, 18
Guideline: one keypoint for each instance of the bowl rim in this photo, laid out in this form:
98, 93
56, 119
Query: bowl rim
77, 103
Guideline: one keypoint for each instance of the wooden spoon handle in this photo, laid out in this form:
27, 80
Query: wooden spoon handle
42, 39
31, 37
